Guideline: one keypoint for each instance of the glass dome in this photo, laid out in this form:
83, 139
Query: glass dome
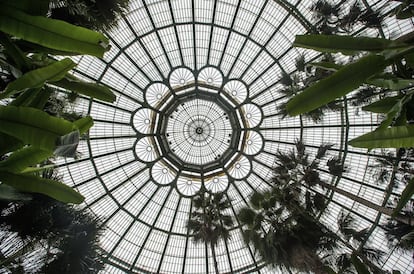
198, 88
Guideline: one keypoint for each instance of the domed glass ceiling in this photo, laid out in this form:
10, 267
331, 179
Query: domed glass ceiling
198, 85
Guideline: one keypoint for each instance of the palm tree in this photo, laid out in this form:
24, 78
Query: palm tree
56, 237
326, 15
355, 239
298, 167
283, 233
99, 15
208, 223
400, 235
304, 77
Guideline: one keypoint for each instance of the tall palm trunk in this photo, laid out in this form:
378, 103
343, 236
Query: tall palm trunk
213, 251
356, 198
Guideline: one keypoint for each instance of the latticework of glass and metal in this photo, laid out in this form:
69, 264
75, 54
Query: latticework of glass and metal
198, 85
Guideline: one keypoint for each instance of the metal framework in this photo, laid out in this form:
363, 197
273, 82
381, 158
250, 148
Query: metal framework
198, 84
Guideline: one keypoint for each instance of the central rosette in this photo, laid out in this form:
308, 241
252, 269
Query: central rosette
198, 131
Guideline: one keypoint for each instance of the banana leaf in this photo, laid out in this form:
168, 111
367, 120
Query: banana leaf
93, 90
33, 126
8, 143
9, 193
51, 33
38, 77
345, 44
382, 106
406, 196
392, 83
34, 184
23, 158
14, 53
84, 124
337, 85
39, 100
38, 7
327, 66
393, 137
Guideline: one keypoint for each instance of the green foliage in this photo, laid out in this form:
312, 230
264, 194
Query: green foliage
35, 121
38, 77
67, 237
406, 196
345, 44
399, 136
75, 84
208, 222
282, 222
370, 70
50, 33
337, 85
98, 15
34, 184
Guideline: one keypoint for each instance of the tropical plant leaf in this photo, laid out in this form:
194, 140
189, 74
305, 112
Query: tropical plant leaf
16, 55
406, 196
39, 7
393, 83
359, 266
35, 184
38, 100
327, 66
93, 90
33, 126
345, 44
38, 77
382, 106
397, 113
8, 143
393, 137
54, 34
9, 193
84, 124
338, 84
23, 158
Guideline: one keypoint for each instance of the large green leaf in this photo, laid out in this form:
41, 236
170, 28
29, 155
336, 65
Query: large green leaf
54, 34
84, 124
338, 84
327, 66
392, 83
360, 267
382, 106
33, 126
38, 77
8, 143
9, 193
393, 137
38, 7
93, 90
345, 44
14, 53
30, 183
406, 196
23, 158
